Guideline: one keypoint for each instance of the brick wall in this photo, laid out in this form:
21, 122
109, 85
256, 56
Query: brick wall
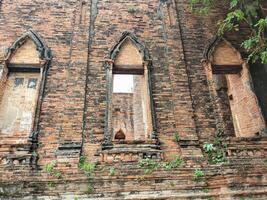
169, 82
81, 34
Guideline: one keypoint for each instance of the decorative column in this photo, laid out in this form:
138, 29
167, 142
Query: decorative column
147, 74
108, 115
3, 77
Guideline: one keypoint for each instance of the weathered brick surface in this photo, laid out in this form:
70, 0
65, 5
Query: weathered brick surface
122, 115
72, 116
27, 53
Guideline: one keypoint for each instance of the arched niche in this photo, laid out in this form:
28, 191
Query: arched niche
22, 83
120, 135
129, 97
230, 84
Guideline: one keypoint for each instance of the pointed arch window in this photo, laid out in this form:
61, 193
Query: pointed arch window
22, 83
231, 86
129, 98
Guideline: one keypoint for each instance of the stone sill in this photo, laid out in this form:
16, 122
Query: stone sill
133, 142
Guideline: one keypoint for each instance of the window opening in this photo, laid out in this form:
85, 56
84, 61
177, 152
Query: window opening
130, 107
231, 85
122, 83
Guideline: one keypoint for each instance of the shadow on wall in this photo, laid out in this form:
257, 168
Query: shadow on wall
259, 74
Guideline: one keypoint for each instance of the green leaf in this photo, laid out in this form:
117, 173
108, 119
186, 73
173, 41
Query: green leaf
199, 173
250, 43
264, 57
208, 147
112, 171
261, 24
58, 174
176, 137
233, 3
49, 167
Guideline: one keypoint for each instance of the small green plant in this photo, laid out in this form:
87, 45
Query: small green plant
34, 154
265, 161
208, 148
81, 161
149, 165
76, 198
205, 190
58, 174
199, 173
140, 178
49, 167
176, 137
51, 184
112, 171
87, 167
210, 198
177, 162
90, 189
172, 184
215, 151
245, 198
133, 9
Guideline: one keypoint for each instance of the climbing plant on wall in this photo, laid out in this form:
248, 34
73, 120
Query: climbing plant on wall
251, 12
